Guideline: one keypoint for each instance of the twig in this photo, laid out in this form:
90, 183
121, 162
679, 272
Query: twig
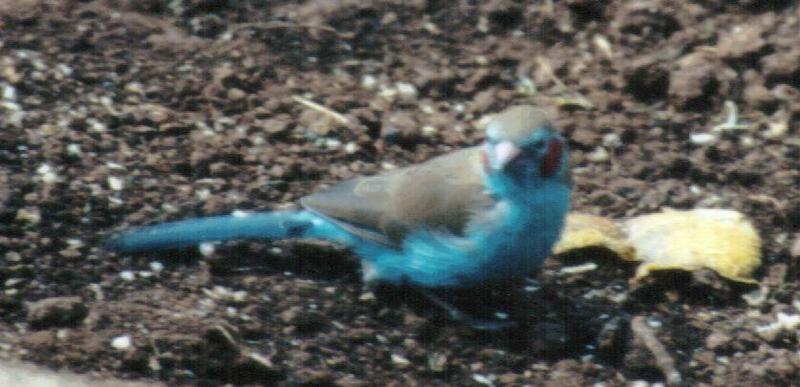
545, 66
155, 365
664, 361
322, 109
732, 119
603, 45
283, 25
574, 98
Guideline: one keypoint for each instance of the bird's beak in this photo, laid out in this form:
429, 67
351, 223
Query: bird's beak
504, 152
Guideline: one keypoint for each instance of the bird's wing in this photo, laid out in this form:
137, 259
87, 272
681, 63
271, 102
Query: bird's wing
442, 193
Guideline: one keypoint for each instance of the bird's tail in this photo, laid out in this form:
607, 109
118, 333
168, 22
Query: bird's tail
238, 226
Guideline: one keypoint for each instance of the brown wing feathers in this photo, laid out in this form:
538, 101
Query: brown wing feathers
441, 193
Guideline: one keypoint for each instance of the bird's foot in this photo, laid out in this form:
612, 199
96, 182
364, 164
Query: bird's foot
473, 322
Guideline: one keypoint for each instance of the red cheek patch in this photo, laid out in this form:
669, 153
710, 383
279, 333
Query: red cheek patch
552, 159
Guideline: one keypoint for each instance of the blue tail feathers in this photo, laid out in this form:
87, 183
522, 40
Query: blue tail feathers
259, 225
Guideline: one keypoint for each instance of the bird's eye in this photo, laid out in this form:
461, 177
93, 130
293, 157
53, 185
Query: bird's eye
533, 148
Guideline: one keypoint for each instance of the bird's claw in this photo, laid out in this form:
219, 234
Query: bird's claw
477, 323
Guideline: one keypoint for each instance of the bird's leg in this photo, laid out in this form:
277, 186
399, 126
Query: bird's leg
458, 315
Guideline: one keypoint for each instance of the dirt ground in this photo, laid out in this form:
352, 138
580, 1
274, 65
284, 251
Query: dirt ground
116, 113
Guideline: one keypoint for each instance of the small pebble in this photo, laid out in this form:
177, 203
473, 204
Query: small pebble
206, 249
431, 28
717, 340
612, 140
388, 92
400, 361
653, 322
235, 94
156, 266
74, 149
158, 115
437, 362
483, 24
406, 90
97, 291
115, 183
757, 297
115, 166
599, 155
62, 334
122, 343
794, 251
11, 106
367, 297
11, 282
46, 173
603, 45
9, 92
127, 275
747, 142
332, 143
482, 379
428, 130
29, 215
13, 256
202, 194
64, 69
785, 323
95, 125
702, 138
369, 82
134, 88
776, 130
351, 148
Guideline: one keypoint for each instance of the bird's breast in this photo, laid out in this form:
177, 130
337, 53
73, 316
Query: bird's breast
518, 236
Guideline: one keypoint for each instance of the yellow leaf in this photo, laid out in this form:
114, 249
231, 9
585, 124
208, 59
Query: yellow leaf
717, 239
583, 231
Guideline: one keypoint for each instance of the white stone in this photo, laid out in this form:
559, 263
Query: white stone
599, 155
127, 275
351, 148
406, 89
369, 82
122, 342
74, 149
9, 92
115, 183
702, 138
206, 249
156, 266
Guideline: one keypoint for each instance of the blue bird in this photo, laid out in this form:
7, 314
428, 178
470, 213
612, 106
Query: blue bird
479, 216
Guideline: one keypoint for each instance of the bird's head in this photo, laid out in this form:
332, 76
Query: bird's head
522, 149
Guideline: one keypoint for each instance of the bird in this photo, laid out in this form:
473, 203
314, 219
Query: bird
479, 216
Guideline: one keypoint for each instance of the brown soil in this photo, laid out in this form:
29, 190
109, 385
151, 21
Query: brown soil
115, 113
